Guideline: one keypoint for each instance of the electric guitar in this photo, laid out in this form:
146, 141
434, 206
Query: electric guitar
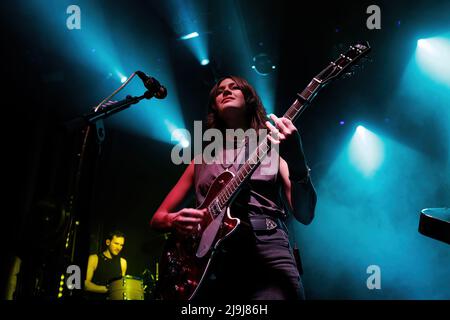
186, 261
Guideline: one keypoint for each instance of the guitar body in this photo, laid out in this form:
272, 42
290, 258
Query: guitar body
181, 271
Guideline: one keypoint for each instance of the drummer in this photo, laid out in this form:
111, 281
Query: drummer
105, 267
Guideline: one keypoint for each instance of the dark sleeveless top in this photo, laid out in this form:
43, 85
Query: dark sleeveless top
107, 270
261, 195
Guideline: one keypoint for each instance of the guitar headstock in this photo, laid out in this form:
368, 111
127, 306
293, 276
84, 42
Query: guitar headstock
344, 63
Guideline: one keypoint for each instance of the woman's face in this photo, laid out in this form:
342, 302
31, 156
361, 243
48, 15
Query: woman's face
229, 96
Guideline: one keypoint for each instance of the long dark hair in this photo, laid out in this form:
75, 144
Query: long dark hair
255, 113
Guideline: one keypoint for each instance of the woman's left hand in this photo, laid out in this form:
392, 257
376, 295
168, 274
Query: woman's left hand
284, 132
286, 135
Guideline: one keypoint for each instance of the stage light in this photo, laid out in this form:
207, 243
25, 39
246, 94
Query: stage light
116, 55
184, 143
422, 43
262, 64
190, 36
180, 136
342, 122
121, 76
366, 151
189, 21
433, 56
78, 47
204, 62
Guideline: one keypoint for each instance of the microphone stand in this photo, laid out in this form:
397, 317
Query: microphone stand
106, 111
75, 206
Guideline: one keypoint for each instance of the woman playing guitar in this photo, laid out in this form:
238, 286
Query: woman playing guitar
255, 261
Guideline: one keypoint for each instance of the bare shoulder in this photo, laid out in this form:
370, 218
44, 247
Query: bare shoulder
93, 257
93, 261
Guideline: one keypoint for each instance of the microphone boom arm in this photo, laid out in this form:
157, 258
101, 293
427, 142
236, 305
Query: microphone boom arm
105, 111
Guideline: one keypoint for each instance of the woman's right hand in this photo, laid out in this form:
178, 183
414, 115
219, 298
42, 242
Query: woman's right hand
187, 220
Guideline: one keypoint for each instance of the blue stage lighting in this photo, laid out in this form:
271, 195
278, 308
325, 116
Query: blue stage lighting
121, 76
204, 62
366, 151
185, 143
433, 56
190, 36
179, 136
422, 43
189, 19
96, 46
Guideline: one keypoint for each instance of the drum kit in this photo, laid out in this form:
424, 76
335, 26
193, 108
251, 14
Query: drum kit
142, 287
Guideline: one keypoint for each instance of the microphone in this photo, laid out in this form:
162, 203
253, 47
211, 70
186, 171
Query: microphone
153, 85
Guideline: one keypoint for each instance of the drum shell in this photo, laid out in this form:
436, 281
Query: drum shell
127, 288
